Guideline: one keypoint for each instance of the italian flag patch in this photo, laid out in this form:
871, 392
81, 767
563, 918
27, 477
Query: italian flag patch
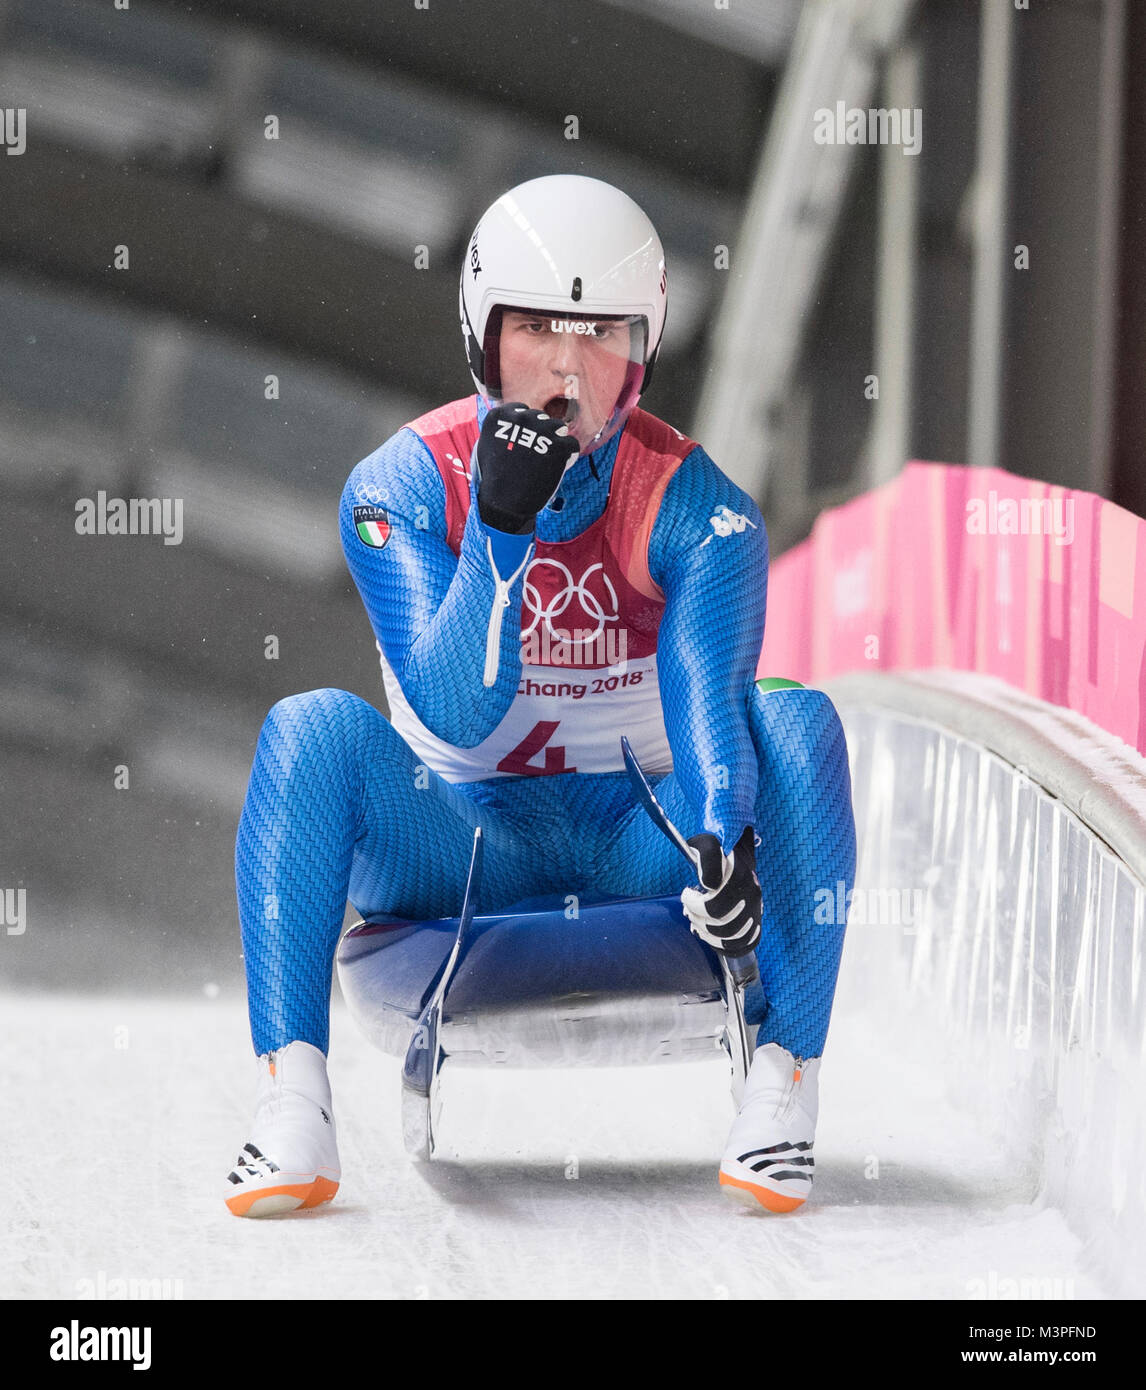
372, 525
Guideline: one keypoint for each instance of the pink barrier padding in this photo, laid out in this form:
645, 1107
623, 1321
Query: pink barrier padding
979, 570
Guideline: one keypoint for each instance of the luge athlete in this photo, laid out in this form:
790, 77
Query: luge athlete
546, 567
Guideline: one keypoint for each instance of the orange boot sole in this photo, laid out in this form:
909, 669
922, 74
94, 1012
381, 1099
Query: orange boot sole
748, 1192
273, 1201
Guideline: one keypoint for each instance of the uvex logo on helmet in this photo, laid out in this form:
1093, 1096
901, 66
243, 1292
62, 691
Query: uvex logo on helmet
573, 326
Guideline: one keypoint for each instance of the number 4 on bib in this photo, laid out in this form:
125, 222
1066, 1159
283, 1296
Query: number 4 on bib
517, 760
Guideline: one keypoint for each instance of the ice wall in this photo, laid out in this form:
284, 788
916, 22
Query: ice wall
1000, 887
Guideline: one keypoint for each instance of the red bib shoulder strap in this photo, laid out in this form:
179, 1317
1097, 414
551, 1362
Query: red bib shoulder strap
649, 454
450, 433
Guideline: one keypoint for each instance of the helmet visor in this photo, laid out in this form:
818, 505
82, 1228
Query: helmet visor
585, 369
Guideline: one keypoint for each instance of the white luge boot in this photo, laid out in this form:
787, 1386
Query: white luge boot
768, 1157
291, 1158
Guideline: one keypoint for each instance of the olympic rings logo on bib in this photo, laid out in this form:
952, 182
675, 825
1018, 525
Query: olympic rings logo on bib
593, 609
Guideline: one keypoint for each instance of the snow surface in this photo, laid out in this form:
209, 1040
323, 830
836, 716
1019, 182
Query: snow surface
123, 1116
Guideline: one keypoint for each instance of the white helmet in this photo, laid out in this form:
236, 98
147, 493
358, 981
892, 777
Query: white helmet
578, 250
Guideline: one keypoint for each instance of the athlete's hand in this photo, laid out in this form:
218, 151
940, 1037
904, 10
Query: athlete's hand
725, 910
521, 456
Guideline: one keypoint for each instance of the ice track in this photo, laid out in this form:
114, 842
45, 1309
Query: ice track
122, 1116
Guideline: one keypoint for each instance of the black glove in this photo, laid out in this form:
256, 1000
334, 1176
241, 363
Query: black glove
521, 456
725, 910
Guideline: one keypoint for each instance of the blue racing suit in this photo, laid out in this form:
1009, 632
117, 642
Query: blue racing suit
343, 803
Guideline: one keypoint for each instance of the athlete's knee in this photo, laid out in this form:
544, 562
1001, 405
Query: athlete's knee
316, 714
315, 728
798, 730
311, 705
